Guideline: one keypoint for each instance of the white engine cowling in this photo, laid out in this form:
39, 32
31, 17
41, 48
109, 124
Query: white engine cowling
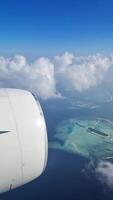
23, 139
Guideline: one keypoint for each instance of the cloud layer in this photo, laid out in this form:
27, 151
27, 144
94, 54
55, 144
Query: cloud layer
49, 78
37, 76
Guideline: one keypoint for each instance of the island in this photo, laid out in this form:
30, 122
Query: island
88, 138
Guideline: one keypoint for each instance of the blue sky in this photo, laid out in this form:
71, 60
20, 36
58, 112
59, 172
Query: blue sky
50, 27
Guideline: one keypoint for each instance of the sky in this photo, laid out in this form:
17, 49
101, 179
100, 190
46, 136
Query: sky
47, 27
54, 48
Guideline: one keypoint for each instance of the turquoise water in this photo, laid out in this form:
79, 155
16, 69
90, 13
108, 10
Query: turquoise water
89, 138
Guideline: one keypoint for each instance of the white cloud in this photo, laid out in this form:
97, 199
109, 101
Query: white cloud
63, 61
42, 78
46, 77
37, 76
17, 63
80, 73
104, 172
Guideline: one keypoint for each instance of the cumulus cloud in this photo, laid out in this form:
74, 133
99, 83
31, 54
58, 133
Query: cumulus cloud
104, 172
79, 73
37, 76
45, 76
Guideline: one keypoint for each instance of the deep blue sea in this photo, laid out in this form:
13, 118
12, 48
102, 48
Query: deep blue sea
64, 177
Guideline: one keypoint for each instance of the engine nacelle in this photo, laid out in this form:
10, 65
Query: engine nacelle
23, 139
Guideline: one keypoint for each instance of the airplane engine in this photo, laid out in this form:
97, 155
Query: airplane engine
23, 139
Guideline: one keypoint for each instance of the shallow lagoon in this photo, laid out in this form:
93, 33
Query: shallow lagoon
89, 138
